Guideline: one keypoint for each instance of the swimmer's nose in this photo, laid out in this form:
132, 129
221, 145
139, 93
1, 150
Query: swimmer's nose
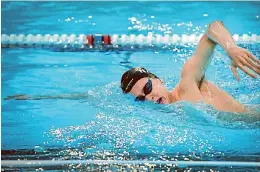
151, 98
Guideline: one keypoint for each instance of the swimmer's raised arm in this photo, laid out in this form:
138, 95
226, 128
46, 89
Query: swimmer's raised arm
194, 69
196, 66
41, 97
240, 57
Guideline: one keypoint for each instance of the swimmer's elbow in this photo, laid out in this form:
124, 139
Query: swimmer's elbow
213, 26
215, 23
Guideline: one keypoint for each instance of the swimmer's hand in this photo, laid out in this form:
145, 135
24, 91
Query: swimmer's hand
243, 59
240, 57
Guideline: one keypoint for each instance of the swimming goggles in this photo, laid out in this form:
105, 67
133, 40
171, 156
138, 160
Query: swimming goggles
147, 90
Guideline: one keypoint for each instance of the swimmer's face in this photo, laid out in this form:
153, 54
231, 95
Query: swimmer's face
152, 90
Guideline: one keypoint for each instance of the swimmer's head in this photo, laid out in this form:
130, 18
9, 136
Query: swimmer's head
144, 85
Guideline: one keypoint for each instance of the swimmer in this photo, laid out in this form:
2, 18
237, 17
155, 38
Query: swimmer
193, 86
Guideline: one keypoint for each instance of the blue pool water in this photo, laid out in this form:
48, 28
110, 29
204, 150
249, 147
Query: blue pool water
106, 124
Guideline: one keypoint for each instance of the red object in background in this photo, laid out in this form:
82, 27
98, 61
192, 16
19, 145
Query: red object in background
90, 40
106, 39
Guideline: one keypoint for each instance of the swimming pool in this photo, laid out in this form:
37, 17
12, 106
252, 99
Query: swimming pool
105, 124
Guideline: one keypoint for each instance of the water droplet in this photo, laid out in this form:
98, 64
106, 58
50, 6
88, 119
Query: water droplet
67, 20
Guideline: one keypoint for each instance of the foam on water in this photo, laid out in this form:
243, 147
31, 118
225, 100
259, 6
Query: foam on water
127, 129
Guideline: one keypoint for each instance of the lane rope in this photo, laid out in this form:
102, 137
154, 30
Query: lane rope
35, 163
95, 40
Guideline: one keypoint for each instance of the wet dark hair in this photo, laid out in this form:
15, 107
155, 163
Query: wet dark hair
130, 77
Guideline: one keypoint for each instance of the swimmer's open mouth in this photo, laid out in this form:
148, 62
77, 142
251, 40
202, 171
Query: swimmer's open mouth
159, 101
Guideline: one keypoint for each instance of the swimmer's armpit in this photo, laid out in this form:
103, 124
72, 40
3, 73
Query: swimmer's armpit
50, 97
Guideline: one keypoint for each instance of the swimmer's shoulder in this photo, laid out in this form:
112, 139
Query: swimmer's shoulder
188, 90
